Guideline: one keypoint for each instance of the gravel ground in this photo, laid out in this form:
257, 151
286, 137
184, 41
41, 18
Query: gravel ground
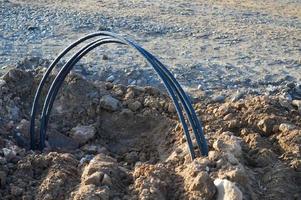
213, 48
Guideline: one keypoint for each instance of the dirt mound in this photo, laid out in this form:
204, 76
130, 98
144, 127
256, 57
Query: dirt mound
108, 141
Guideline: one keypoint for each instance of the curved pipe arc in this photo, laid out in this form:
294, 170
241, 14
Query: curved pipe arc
163, 73
63, 73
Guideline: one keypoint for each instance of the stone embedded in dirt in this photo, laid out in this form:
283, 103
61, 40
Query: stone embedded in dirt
237, 175
218, 99
228, 143
108, 175
91, 192
95, 178
297, 103
23, 128
134, 106
285, 127
171, 108
85, 159
109, 103
9, 154
213, 155
203, 185
82, 134
130, 94
106, 180
111, 78
266, 125
233, 124
119, 90
227, 190
238, 95
229, 116
231, 158
105, 57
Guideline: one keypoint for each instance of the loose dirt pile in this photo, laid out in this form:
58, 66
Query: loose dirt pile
109, 141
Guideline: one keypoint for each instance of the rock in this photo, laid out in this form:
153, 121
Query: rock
130, 94
238, 95
119, 90
218, 99
85, 159
82, 134
134, 82
230, 144
135, 106
285, 127
291, 85
9, 154
213, 155
171, 108
109, 85
204, 185
111, 78
105, 57
109, 103
231, 158
106, 180
91, 192
178, 151
227, 190
266, 126
238, 175
229, 116
14, 112
95, 178
2, 178
220, 163
234, 124
23, 128
297, 103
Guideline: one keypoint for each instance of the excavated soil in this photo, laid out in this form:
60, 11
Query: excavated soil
107, 141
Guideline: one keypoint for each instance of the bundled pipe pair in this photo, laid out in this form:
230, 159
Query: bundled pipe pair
180, 99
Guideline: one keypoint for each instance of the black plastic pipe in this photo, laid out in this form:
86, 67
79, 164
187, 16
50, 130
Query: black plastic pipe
60, 78
200, 138
143, 52
170, 83
35, 105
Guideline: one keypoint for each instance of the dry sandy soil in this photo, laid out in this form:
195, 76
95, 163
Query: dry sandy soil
117, 142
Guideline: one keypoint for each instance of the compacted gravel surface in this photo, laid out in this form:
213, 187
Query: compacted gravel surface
213, 48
